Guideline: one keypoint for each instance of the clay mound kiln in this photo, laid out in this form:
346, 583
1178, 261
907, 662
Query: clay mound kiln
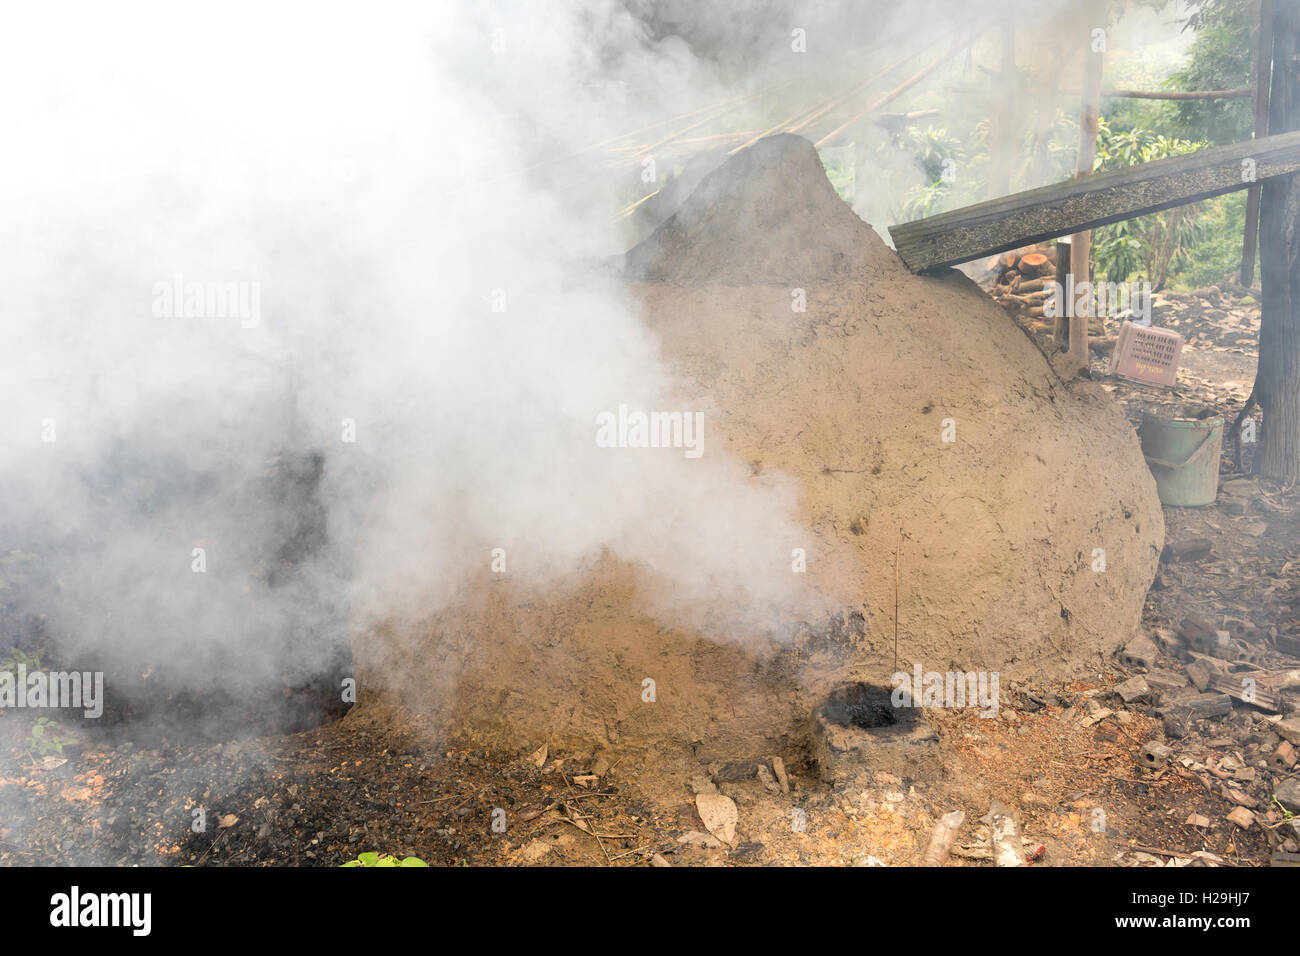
913, 416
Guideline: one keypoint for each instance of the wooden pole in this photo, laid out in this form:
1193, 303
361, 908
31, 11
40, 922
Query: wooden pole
1062, 328
1081, 243
897, 91
1176, 95
1261, 74
803, 118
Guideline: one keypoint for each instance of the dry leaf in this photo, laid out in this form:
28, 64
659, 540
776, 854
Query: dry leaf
719, 814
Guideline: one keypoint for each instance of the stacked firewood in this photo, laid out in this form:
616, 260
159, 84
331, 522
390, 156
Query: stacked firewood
1023, 282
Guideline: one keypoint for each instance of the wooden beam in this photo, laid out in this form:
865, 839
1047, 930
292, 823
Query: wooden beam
1050, 212
1177, 94
1061, 92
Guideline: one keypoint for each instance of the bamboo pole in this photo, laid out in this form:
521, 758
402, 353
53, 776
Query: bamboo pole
897, 91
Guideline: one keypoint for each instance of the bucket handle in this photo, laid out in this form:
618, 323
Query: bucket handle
1161, 463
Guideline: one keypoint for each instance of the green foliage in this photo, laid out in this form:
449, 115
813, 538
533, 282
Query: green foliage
14, 567
18, 657
935, 153
1154, 245
1051, 156
47, 738
838, 163
1218, 251
1219, 59
1286, 814
384, 859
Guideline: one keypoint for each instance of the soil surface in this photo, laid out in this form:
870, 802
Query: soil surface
321, 797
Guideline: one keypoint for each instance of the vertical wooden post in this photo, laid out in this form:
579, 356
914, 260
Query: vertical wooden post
1062, 328
1081, 243
1261, 74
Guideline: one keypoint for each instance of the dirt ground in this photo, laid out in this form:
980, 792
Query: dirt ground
320, 798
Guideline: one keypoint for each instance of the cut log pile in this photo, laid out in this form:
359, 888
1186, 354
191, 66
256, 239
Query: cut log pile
1024, 282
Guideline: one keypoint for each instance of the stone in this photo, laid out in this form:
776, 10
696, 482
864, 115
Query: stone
1289, 730
1241, 817
782, 778
1133, 690
1288, 794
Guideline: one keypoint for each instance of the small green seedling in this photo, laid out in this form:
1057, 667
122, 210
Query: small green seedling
47, 738
1286, 814
384, 859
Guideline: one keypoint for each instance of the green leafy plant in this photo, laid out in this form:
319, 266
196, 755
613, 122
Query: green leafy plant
1155, 245
1286, 814
15, 568
47, 738
17, 657
1219, 58
933, 151
384, 859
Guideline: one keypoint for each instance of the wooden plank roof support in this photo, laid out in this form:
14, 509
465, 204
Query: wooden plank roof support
1050, 212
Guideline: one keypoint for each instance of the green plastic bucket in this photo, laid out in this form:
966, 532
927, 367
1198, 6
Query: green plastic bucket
1183, 455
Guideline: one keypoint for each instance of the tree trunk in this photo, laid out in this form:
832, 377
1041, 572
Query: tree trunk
1277, 384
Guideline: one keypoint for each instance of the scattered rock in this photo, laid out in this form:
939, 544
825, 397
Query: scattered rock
1133, 690
1242, 817
1193, 549
702, 784
1288, 794
782, 779
1154, 755
1289, 730
1140, 652
1239, 798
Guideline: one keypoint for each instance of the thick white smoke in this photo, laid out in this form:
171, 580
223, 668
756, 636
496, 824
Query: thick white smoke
426, 338
408, 307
